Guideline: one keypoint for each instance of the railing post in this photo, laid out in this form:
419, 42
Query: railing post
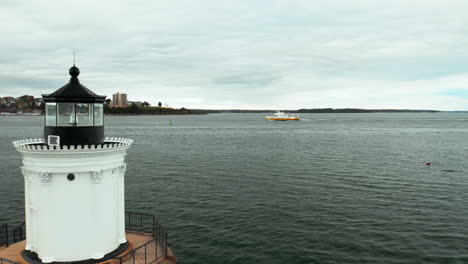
145, 253
161, 240
157, 223
6, 236
129, 221
165, 243
153, 227
141, 223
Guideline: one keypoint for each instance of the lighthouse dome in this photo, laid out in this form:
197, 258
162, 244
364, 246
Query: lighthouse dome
74, 71
73, 91
74, 114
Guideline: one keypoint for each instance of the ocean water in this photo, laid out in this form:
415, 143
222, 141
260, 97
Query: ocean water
332, 188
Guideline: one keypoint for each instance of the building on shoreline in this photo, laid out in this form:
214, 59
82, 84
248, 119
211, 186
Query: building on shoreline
21, 104
119, 100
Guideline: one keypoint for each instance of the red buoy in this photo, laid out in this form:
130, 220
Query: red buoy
428, 164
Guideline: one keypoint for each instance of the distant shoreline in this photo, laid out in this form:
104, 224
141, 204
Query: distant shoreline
150, 110
146, 114
324, 110
174, 112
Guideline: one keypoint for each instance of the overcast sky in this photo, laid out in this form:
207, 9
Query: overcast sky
250, 54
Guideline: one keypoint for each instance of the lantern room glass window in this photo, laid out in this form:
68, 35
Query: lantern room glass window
74, 114
84, 114
98, 114
51, 114
66, 114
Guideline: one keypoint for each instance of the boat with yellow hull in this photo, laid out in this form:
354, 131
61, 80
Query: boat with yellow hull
282, 116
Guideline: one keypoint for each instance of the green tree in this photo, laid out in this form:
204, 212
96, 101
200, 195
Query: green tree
134, 108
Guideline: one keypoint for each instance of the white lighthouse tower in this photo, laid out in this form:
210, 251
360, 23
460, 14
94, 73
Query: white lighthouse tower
74, 182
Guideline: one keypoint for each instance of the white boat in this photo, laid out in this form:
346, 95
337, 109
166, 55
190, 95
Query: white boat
283, 116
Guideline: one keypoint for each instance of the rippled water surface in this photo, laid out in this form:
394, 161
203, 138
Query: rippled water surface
333, 188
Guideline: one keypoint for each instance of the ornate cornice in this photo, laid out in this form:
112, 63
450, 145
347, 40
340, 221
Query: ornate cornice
36, 147
38, 144
46, 178
27, 174
96, 176
123, 168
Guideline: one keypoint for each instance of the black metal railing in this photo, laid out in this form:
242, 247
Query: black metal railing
6, 261
19, 233
144, 254
152, 250
8, 236
147, 253
141, 222
4, 239
7, 239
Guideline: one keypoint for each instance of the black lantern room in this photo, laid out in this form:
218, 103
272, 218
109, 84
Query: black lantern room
74, 114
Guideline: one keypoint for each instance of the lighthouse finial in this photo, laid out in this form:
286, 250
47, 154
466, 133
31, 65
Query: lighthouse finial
73, 57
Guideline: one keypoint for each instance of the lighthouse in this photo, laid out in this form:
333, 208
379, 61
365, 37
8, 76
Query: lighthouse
74, 181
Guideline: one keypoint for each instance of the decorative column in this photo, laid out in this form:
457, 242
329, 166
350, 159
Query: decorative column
121, 202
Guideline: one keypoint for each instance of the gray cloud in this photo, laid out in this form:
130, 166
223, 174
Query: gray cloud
240, 54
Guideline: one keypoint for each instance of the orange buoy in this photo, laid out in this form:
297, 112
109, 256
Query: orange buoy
428, 164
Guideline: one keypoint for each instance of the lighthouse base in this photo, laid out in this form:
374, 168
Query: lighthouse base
143, 248
31, 257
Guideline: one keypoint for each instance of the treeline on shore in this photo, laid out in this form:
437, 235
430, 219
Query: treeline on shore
150, 110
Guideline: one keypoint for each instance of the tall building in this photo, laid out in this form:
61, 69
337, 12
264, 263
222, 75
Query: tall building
119, 99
